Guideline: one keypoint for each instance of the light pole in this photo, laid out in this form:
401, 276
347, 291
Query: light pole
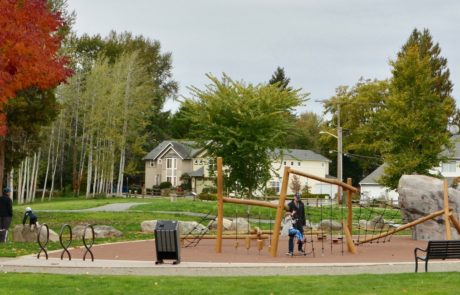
339, 159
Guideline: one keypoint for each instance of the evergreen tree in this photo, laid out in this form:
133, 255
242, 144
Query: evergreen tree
279, 78
417, 111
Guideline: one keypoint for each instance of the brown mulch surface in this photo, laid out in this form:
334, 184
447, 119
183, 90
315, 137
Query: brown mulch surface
398, 249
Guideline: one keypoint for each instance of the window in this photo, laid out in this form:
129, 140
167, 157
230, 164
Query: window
196, 162
152, 163
171, 170
292, 163
284, 163
449, 166
275, 185
298, 163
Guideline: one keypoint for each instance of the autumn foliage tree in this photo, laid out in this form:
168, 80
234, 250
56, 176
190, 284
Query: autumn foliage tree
29, 44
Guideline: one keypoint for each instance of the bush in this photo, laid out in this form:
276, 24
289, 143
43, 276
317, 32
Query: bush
165, 184
210, 190
207, 197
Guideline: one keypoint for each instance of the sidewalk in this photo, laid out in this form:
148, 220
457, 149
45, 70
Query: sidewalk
148, 268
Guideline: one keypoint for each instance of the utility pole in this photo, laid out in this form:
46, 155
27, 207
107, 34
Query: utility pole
339, 156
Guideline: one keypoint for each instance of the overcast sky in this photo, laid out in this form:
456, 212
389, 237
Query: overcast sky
321, 44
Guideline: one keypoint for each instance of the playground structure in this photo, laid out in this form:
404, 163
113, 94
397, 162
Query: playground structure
347, 223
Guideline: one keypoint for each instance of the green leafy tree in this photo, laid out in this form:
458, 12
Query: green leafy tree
244, 124
279, 78
416, 116
304, 134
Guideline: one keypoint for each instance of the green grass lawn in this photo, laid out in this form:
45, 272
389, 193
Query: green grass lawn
420, 284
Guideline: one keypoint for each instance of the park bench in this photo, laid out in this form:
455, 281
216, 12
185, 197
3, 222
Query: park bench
438, 250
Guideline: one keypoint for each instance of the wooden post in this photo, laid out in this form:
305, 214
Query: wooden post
350, 244
350, 208
220, 205
279, 213
446, 211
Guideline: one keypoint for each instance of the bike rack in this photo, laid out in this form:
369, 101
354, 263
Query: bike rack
43, 246
88, 247
68, 242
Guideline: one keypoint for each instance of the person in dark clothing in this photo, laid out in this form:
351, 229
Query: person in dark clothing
6, 213
32, 218
297, 211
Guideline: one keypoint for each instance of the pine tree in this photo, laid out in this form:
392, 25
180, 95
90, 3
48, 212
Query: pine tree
280, 77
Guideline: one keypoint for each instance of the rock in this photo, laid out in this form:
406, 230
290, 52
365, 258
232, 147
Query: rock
330, 225
100, 231
227, 224
192, 228
26, 234
240, 225
422, 195
148, 226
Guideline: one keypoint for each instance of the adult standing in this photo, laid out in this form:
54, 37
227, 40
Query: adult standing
6, 213
297, 210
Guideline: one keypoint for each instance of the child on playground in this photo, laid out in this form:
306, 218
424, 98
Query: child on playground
32, 218
297, 212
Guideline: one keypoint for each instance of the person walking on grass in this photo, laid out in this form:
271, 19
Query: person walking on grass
6, 213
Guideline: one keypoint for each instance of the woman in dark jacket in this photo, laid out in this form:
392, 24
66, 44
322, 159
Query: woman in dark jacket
6, 213
297, 210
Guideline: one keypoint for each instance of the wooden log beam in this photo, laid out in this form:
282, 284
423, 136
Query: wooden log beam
446, 211
252, 203
327, 180
279, 213
403, 227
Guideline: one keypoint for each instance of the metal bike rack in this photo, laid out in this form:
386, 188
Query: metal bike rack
67, 242
43, 246
88, 246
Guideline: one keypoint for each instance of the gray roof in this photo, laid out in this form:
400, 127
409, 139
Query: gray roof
453, 154
185, 149
301, 155
374, 176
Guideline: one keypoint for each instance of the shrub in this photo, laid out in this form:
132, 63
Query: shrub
207, 197
165, 184
210, 190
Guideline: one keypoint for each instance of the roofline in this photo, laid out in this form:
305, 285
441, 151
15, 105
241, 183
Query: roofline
165, 150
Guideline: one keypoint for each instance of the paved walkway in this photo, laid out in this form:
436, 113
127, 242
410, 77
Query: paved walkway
148, 268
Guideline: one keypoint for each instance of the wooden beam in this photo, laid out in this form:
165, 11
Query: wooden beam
251, 202
279, 213
350, 208
350, 244
327, 180
220, 205
446, 211
455, 222
403, 227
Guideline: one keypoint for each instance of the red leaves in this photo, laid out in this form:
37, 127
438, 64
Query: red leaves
29, 46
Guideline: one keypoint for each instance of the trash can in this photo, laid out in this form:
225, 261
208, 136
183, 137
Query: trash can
167, 241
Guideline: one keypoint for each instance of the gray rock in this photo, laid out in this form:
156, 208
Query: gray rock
100, 231
422, 195
240, 225
148, 226
192, 228
226, 222
330, 225
29, 235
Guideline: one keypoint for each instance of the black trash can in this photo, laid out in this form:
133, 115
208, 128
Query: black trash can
167, 241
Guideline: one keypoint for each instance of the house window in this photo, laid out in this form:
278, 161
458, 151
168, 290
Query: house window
292, 163
449, 166
196, 162
152, 163
298, 163
171, 170
275, 185
284, 163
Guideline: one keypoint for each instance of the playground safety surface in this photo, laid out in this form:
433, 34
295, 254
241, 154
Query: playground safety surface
137, 258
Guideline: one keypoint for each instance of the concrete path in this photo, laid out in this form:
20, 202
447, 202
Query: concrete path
148, 268
116, 207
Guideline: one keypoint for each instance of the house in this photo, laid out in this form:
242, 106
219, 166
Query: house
304, 161
172, 159
371, 189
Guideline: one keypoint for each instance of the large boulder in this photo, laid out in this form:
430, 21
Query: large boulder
226, 222
100, 231
24, 233
148, 226
422, 195
185, 227
329, 225
240, 225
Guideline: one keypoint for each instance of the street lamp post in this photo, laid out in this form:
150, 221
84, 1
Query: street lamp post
339, 159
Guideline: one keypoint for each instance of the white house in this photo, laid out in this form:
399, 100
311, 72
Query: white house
171, 159
371, 189
305, 161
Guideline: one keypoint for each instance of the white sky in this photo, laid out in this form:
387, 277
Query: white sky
320, 43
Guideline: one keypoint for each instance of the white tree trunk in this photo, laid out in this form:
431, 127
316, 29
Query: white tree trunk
20, 182
48, 164
35, 177
90, 167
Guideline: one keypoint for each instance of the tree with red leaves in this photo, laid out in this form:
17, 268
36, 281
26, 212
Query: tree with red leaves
29, 45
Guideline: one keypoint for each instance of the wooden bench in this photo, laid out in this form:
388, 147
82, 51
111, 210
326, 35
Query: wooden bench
438, 250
